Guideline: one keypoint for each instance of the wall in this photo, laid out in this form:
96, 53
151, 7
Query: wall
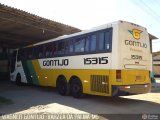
156, 65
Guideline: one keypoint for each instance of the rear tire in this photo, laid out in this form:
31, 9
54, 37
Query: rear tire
62, 86
76, 88
18, 79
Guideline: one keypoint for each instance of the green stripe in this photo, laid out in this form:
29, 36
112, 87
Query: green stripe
30, 71
26, 71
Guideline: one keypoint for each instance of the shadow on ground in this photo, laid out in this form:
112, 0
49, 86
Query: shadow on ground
25, 97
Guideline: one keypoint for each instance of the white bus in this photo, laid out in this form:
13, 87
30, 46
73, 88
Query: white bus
110, 60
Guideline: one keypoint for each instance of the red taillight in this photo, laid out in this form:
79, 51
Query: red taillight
118, 75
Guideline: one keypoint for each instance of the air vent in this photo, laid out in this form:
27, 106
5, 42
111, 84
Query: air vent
100, 83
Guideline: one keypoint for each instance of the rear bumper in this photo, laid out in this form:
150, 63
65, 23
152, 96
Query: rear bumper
130, 89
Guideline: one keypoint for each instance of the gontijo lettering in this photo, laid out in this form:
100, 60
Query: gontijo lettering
135, 43
63, 62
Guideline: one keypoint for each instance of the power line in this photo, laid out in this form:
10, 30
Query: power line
150, 10
142, 5
157, 2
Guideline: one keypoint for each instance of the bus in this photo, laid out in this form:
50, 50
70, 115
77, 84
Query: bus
110, 60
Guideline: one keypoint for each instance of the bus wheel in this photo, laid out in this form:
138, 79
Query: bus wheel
76, 88
18, 79
62, 86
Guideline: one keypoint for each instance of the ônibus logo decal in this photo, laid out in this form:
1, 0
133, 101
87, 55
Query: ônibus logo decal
135, 33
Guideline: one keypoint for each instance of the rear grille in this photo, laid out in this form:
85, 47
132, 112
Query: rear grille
100, 83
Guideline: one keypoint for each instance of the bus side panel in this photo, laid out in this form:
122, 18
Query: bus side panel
48, 77
29, 71
42, 74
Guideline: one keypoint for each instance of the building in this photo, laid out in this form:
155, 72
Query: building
19, 28
156, 64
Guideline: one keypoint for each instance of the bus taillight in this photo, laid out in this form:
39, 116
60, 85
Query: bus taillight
118, 75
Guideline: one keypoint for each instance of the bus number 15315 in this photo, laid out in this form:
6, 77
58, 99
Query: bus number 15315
96, 60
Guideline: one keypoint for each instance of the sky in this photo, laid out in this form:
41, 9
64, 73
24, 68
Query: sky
85, 14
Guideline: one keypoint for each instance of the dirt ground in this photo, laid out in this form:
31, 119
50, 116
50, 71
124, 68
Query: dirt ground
32, 99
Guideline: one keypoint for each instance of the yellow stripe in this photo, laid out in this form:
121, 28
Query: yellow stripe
47, 77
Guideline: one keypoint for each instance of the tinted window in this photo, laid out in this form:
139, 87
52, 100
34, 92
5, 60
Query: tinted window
71, 46
87, 44
79, 45
53, 49
101, 41
48, 50
66, 47
29, 53
93, 42
107, 40
61, 47
38, 51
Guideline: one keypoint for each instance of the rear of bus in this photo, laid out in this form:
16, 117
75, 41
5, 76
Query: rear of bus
134, 60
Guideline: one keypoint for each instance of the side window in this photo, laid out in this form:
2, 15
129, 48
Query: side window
29, 53
35, 52
107, 40
20, 55
79, 45
87, 44
61, 48
48, 50
66, 47
38, 51
93, 42
71, 46
101, 41
54, 48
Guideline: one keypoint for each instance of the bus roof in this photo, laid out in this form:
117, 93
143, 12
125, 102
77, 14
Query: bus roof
88, 31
